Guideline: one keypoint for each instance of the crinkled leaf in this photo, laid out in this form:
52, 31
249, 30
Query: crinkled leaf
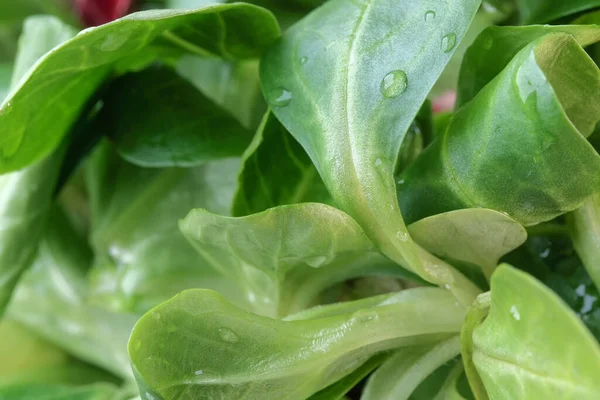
158, 119
39, 112
287, 255
294, 179
183, 348
477, 236
399, 376
347, 82
541, 11
515, 348
510, 148
141, 257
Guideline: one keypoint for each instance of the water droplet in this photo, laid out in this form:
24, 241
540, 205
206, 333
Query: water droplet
545, 253
394, 84
515, 313
199, 372
156, 315
378, 162
439, 274
228, 335
281, 97
316, 262
449, 42
366, 316
430, 15
446, 286
402, 235
401, 181
303, 60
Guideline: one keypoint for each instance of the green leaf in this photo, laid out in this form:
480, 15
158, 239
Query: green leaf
496, 46
516, 346
347, 82
39, 113
477, 236
344, 385
510, 148
399, 376
294, 180
287, 255
158, 119
584, 227
51, 301
233, 85
274, 359
59, 392
141, 257
541, 11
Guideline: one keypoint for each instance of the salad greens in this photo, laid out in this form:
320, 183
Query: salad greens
309, 199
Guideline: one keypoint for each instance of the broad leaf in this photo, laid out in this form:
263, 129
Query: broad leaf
476, 236
399, 376
158, 119
540, 11
141, 257
287, 255
294, 179
496, 46
39, 112
274, 359
347, 82
515, 348
584, 226
510, 148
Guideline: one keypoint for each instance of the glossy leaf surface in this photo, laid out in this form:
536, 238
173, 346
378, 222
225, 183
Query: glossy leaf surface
510, 355
529, 142
274, 359
158, 119
39, 112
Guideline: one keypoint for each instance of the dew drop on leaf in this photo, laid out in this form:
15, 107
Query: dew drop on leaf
199, 372
156, 315
303, 60
429, 15
402, 235
449, 42
281, 97
228, 335
394, 84
515, 313
378, 162
366, 316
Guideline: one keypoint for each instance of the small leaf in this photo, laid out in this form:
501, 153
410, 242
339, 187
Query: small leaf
286, 255
477, 236
515, 347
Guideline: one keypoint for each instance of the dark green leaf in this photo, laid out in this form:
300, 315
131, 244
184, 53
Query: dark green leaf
540, 11
276, 171
39, 113
158, 119
529, 142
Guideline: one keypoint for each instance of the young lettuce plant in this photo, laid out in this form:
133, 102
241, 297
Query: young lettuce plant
152, 248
